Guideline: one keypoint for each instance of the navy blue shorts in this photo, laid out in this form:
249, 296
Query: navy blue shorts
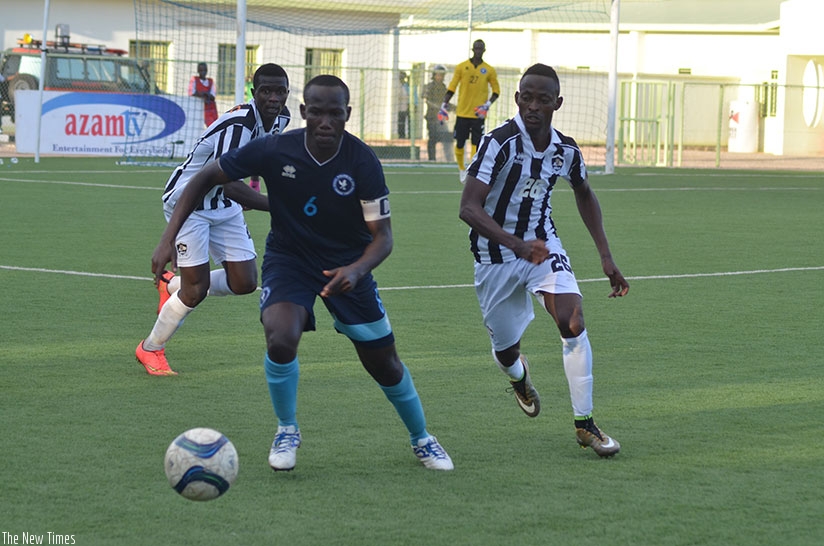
357, 314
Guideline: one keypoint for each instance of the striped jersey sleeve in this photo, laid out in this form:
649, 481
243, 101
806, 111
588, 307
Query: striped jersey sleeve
521, 181
231, 130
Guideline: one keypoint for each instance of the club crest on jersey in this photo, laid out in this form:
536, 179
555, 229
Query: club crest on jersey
288, 171
182, 249
558, 162
483, 70
343, 184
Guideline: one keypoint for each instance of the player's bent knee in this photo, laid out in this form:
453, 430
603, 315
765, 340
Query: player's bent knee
191, 296
279, 351
245, 287
571, 326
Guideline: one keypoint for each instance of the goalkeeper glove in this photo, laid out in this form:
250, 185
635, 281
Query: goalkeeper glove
443, 115
481, 110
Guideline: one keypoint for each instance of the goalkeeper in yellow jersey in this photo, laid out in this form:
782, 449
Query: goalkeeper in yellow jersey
473, 76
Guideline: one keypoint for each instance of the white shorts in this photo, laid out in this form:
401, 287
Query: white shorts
221, 233
503, 291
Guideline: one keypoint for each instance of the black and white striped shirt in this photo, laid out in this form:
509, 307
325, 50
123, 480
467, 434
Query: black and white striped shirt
521, 181
231, 130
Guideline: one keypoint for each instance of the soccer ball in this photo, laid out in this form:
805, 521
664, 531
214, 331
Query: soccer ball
201, 464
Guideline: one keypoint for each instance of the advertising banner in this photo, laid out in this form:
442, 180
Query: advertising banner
108, 124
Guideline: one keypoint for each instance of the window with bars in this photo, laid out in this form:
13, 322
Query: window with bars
768, 96
155, 55
225, 78
323, 61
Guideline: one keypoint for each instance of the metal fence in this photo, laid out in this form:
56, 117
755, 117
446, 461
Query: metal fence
666, 122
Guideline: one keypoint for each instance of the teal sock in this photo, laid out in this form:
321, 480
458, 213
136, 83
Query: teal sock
283, 389
408, 405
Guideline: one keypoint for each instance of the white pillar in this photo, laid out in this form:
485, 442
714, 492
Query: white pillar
609, 166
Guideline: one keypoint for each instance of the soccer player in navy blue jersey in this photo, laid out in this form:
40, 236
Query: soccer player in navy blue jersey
217, 228
330, 228
506, 203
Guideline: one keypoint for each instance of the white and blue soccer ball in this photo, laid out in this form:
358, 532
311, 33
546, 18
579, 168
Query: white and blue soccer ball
201, 464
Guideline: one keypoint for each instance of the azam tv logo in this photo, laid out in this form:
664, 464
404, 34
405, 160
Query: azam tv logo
126, 124
145, 118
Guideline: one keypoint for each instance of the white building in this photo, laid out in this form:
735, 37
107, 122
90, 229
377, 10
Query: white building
707, 55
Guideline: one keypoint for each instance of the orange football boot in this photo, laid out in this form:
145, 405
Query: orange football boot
154, 361
163, 289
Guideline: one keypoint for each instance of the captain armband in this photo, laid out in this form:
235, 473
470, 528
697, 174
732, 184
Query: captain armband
375, 209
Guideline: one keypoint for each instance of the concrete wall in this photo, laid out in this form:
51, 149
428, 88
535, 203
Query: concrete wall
90, 21
743, 54
803, 73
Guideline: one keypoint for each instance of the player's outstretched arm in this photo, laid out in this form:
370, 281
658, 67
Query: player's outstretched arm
248, 198
209, 176
344, 279
473, 213
617, 282
590, 211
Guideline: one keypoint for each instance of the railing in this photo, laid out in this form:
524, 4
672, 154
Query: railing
646, 123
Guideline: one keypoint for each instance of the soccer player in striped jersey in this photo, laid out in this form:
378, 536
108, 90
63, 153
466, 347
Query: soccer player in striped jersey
506, 202
330, 227
472, 79
217, 227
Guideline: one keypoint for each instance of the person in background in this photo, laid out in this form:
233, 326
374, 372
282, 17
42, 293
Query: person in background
472, 79
2, 79
438, 131
506, 203
203, 87
330, 227
248, 87
403, 104
217, 228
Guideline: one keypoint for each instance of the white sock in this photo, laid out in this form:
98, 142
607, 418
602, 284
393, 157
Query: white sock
515, 371
167, 323
578, 369
174, 285
219, 283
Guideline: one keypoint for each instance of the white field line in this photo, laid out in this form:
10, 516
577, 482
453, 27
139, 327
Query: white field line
440, 286
457, 190
75, 183
649, 277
